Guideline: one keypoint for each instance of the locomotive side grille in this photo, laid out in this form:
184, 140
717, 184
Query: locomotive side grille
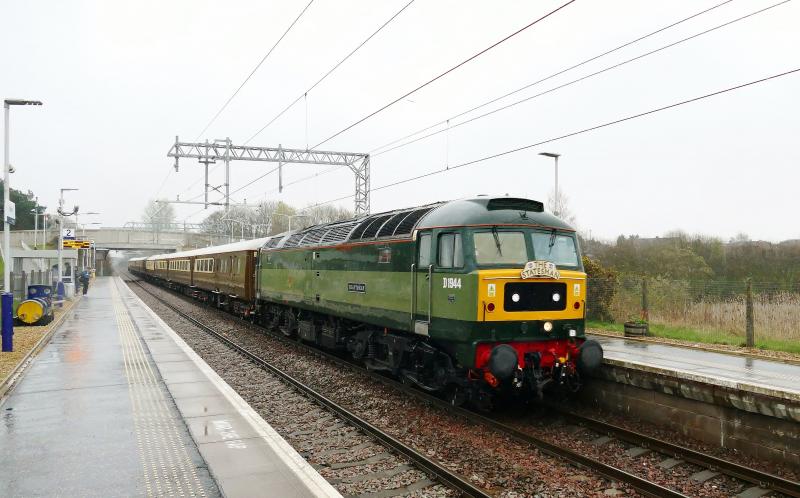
535, 296
408, 223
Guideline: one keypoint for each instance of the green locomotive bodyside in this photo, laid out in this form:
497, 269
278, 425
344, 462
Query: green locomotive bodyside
384, 283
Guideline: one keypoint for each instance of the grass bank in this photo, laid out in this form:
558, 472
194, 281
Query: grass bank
681, 333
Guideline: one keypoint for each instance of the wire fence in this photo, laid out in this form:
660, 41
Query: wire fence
711, 307
21, 280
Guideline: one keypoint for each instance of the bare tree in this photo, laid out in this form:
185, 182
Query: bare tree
327, 214
159, 214
269, 218
560, 207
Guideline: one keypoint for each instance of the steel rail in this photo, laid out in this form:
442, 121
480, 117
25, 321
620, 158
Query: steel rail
437, 471
748, 474
642, 485
732, 469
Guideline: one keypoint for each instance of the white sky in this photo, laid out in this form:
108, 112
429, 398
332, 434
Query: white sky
120, 79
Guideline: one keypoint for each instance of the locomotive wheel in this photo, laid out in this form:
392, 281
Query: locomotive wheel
455, 395
288, 323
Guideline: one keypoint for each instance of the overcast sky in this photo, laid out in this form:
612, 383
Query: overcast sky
120, 80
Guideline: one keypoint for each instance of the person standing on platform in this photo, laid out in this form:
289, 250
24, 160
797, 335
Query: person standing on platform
84, 278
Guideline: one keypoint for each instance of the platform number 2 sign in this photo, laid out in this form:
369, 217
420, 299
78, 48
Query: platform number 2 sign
69, 233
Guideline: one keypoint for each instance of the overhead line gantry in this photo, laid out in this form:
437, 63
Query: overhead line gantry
209, 152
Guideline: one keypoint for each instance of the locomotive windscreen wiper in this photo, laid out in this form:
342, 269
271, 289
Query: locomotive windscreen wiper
497, 241
552, 239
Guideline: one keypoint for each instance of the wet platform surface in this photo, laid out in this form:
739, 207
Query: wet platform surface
117, 405
715, 368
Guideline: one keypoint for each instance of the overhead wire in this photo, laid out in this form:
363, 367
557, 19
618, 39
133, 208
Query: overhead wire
473, 57
304, 95
582, 78
571, 134
330, 71
557, 73
377, 151
445, 73
236, 92
269, 52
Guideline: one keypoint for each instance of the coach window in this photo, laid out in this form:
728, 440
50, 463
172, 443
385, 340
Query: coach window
451, 253
424, 244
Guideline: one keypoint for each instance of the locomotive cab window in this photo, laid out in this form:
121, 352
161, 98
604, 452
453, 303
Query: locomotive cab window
500, 248
451, 252
424, 258
556, 248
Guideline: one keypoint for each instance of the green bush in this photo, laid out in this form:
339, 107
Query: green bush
600, 290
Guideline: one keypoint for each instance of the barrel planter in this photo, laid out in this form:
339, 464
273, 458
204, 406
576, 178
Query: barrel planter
635, 329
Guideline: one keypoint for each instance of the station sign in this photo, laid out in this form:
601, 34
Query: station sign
77, 244
68, 234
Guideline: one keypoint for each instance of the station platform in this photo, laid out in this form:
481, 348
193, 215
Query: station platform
747, 374
118, 405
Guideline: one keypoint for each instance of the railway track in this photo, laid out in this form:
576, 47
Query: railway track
759, 479
761, 482
427, 465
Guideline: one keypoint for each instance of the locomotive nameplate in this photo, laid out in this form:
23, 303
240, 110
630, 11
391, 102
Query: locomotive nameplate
539, 269
357, 287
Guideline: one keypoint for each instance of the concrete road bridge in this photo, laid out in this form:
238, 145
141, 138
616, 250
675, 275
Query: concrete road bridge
132, 237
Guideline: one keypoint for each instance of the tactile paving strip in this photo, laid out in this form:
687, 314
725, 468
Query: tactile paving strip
168, 469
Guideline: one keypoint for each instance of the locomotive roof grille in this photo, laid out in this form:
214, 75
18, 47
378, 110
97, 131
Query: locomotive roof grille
360, 229
408, 223
389, 227
339, 233
373, 227
294, 240
273, 242
314, 236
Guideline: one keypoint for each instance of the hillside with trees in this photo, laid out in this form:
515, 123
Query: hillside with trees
680, 256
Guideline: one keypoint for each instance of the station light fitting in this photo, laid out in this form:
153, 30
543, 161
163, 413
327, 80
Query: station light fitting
10, 102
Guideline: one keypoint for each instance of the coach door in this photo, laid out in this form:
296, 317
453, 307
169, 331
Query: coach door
422, 284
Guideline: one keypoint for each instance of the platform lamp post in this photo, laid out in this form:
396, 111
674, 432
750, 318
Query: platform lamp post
91, 253
36, 214
554, 156
291, 217
241, 224
8, 295
61, 215
84, 260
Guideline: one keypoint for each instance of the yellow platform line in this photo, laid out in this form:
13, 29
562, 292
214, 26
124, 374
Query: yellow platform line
168, 469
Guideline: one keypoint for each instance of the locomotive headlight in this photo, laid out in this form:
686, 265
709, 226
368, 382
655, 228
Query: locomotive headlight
556, 297
573, 332
548, 326
515, 297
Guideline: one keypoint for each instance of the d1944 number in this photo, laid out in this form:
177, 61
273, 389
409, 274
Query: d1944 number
451, 283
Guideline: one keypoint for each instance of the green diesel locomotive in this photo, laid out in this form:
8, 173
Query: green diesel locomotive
468, 298
465, 297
